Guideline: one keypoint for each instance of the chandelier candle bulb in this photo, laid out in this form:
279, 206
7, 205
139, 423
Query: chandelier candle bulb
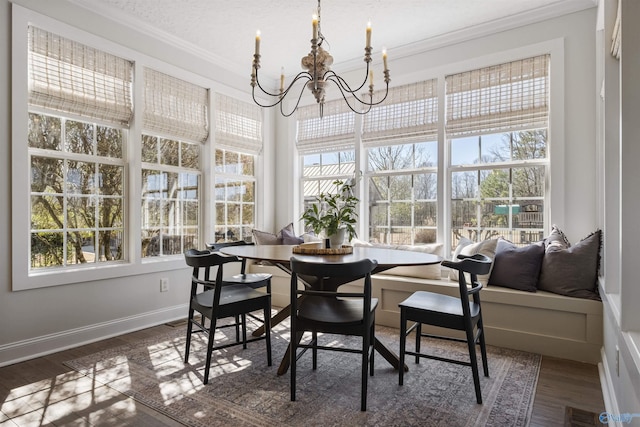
281, 79
314, 22
371, 77
384, 58
258, 42
368, 34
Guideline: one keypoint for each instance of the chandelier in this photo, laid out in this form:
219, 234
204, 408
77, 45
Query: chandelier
317, 73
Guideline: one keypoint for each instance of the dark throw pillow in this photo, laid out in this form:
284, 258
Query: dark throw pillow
571, 270
517, 267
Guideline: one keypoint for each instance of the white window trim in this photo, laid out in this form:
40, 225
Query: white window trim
22, 278
554, 211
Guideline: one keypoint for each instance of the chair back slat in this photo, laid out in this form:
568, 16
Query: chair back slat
215, 247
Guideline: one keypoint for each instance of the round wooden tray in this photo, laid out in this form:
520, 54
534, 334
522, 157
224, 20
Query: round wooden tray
323, 251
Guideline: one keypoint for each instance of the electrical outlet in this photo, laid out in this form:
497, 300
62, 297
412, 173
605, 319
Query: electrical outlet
164, 284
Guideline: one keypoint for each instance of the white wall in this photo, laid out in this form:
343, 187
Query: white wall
44, 320
621, 183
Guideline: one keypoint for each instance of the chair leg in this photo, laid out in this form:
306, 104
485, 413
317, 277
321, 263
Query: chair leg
403, 343
189, 331
238, 328
371, 348
483, 349
244, 330
314, 350
365, 371
418, 339
293, 355
212, 332
267, 330
474, 362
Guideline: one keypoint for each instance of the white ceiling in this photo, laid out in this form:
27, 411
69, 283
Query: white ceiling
224, 30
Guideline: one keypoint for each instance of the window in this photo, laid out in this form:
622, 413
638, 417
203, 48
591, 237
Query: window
498, 186
321, 170
497, 125
234, 195
76, 154
80, 105
460, 155
170, 211
77, 192
238, 141
403, 193
402, 164
326, 146
170, 192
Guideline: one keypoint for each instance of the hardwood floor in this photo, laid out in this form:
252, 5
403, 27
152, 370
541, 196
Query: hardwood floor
26, 400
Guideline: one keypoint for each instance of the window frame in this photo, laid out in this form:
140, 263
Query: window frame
226, 176
22, 277
163, 169
554, 200
488, 167
411, 173
94, 159
330, 177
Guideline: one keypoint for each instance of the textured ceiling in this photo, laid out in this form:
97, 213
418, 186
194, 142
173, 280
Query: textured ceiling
226, 29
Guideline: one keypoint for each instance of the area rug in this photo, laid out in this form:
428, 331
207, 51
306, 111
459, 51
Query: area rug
244, 391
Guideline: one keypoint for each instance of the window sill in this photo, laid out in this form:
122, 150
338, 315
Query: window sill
22, 281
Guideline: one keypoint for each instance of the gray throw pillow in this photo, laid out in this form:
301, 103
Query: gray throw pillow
290, 238
266, 238
571, 270
517, 267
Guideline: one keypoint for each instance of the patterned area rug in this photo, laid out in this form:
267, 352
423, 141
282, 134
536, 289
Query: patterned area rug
244, 391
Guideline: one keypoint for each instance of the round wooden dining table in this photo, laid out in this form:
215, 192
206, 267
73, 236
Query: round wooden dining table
280, 255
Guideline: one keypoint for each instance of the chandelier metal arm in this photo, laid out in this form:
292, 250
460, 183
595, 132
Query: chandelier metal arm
293, 110
368, 104
342, 83
282, 94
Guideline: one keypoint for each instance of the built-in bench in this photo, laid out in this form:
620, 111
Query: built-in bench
539, 322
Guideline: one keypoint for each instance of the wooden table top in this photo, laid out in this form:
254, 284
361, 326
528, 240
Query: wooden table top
386, 257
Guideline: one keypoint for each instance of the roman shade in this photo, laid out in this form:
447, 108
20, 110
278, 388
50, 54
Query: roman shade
238, 125
503, 98
409, 113
175, 107
70, 77
335, 131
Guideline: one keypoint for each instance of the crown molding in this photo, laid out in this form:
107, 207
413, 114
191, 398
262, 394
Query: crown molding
140, 26
477, 31
440, 41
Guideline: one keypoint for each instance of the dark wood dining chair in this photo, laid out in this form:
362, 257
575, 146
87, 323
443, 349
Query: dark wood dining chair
253, 280
459, 313
215, 300
321, 307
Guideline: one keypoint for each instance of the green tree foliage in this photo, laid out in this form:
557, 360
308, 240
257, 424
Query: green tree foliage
79, 196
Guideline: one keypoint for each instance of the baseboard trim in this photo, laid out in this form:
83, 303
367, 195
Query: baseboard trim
40, 346
608, 390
